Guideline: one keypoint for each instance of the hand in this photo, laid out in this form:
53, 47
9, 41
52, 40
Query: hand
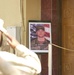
12, 41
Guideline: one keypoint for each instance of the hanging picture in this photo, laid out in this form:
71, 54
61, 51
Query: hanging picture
39, 35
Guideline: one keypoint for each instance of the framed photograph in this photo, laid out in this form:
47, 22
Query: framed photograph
39, 35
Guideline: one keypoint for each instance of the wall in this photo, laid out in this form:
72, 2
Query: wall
10, 12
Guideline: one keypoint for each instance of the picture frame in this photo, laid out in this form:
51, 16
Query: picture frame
35, 46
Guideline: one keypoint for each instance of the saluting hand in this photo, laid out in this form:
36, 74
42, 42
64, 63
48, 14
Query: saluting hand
12, 41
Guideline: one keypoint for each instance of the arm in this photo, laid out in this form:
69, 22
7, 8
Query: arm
7, 68
29, 58
27, 61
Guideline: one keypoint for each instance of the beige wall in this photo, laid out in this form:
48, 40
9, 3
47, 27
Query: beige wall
33, 10
10, 12
18, 12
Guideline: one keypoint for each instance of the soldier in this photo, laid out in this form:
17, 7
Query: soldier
40, 43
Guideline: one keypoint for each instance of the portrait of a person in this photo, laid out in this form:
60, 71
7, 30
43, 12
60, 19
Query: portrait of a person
40, 42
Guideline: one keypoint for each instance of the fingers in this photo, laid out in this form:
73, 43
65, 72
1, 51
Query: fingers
9, 37
8, 41
11, 43
11, 40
